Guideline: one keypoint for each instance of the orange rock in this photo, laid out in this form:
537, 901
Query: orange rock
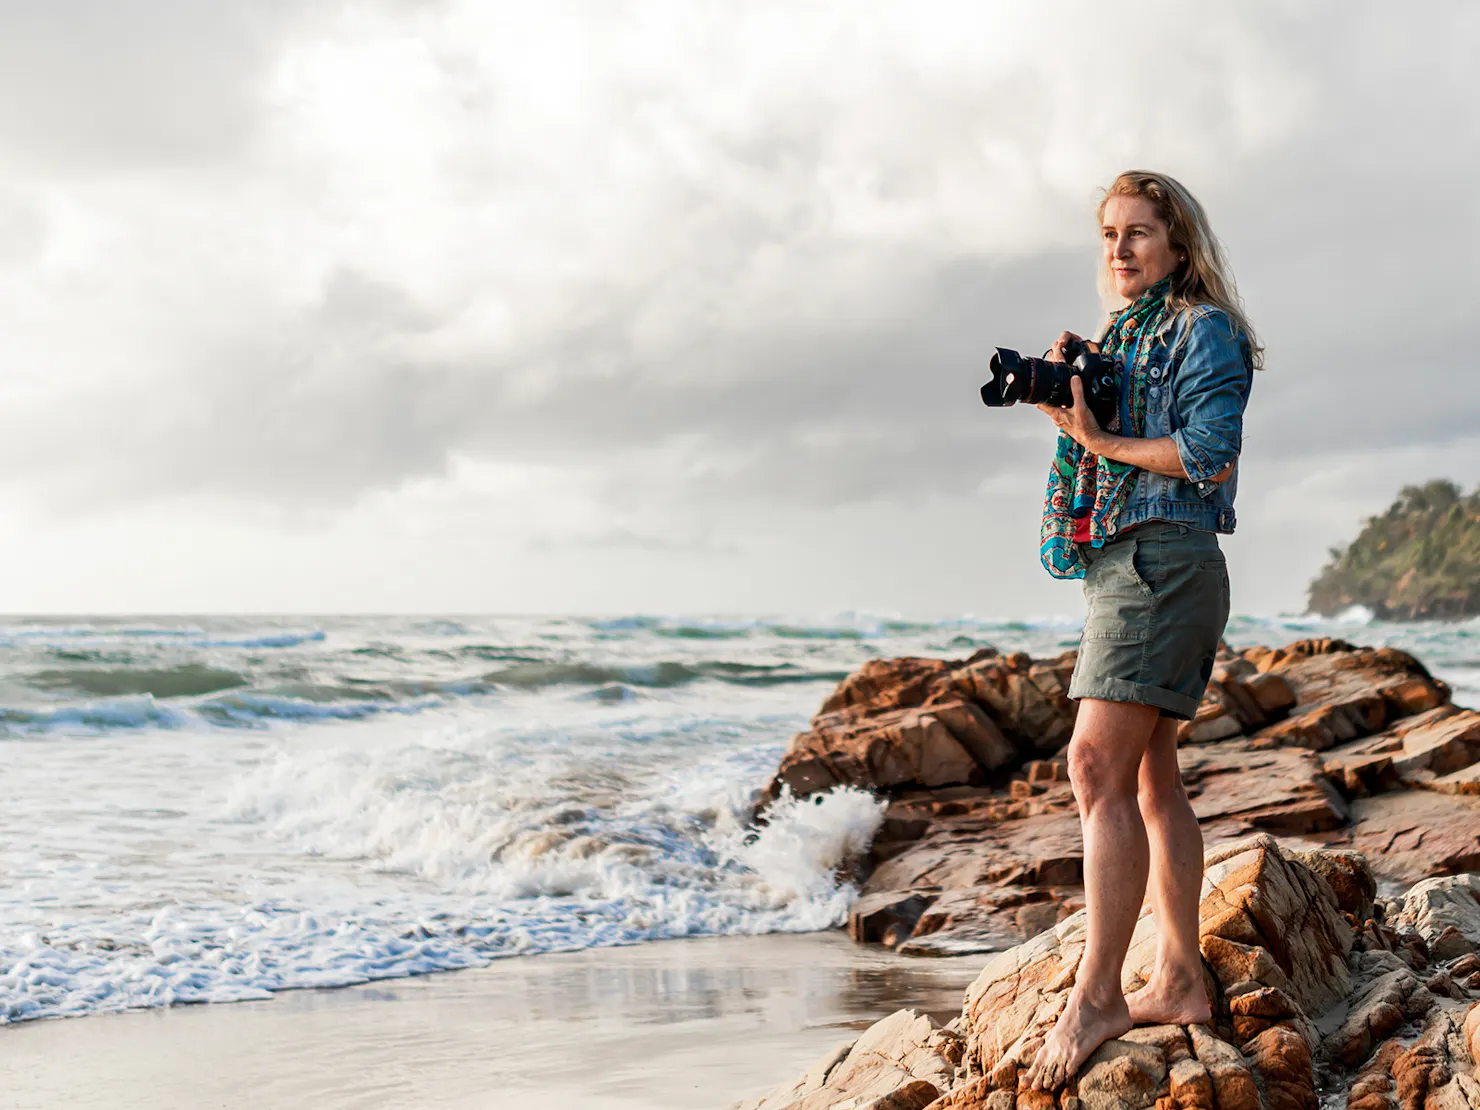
1280, 1060
1408, 835
1255, 1011
980, 876
1360, 770
1413, 695
1212, 722
1264, 915
1170, 1040
1349, 876
983, 838
1191, 1085
1373, 1087
1344, 693
884, 684
1257, 654
1280, 790
906, 746
1448, 742
905, 723
1233, 1082
1272, 692
1046, 771
1464, 781
972, 1096
1436, 1071
912, 1096
873, 914
1317, 729
1472, 1034
1263, 899
1445, 911
1375, 1015
1029, 1099
976, 732
905, 1060
1122, 1074
1234, 962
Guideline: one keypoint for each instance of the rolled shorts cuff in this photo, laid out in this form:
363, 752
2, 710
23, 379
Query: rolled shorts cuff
1103, 688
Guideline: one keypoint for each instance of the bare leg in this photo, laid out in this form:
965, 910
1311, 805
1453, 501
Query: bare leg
1110, 739
1174, 995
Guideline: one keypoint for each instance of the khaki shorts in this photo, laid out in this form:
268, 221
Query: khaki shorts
1158, 603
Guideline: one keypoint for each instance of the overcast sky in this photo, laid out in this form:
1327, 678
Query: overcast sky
683, 307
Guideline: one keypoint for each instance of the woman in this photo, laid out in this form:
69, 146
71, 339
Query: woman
1135, 510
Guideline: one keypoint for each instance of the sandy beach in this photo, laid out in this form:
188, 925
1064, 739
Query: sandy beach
672, 1025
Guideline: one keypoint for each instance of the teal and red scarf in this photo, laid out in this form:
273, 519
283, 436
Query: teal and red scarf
1080, 483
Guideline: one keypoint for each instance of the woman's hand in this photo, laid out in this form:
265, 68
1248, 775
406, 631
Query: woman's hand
1056, 352
1077, 420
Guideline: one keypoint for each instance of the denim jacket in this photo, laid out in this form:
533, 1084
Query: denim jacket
1200, 375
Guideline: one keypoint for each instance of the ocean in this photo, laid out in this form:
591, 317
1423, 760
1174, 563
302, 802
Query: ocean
213, 809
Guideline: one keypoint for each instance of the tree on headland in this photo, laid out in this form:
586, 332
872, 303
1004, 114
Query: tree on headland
1420, 559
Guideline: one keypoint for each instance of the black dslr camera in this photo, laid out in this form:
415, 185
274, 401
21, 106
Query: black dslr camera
1038, 381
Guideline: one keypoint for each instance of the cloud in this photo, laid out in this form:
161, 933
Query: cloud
707, 263
109, 86
627, 539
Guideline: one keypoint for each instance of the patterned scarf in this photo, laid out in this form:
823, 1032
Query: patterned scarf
1080, 483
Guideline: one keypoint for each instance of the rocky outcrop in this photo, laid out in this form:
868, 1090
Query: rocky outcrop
1336, 745
930, 722
1321, 993
901, 1063
910, 723
1421, 558
1322, 774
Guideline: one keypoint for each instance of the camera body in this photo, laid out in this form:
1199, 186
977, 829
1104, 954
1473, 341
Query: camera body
1040, 382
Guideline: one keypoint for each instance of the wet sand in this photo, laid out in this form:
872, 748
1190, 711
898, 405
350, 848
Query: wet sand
673, 1025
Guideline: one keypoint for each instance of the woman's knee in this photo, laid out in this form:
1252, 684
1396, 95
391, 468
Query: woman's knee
1097, 771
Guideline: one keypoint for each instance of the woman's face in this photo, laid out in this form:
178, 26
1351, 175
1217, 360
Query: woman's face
1138, 252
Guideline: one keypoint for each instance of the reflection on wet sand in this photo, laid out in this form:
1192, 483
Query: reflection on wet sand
675, 1025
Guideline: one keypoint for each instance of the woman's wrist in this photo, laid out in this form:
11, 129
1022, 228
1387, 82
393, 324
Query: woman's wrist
1102, 443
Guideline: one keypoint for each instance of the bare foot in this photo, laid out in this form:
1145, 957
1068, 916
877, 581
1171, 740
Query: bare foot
1170, 998
1081, 1029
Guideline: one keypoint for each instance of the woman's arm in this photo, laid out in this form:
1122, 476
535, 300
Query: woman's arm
1211, 389
1159, 455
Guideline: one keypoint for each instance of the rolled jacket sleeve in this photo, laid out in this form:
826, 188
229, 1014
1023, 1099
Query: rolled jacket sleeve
1209, 392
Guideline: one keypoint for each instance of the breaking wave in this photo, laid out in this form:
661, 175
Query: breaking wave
509, 846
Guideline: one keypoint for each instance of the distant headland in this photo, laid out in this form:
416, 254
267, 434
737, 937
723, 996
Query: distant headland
1418, 560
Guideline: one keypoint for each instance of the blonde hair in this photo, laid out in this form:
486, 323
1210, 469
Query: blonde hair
1204, 278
